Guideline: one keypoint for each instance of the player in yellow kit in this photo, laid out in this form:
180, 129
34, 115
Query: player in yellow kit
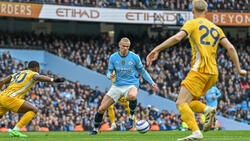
18, 85
111, 111
204, 37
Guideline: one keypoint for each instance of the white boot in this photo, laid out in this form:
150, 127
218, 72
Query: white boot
194, 136
113, 126
209, 115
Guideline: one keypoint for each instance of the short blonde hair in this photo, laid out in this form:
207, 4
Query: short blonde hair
125, 39
199, 5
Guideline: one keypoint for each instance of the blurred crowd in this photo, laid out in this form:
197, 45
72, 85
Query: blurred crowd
168, 71
213, 5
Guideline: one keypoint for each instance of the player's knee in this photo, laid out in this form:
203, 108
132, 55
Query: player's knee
101, 110
35, 110
178, 103
132, 97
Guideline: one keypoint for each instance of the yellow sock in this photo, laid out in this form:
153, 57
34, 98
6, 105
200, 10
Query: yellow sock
127, 109
111, 114
187, 116
197, 106
27, 117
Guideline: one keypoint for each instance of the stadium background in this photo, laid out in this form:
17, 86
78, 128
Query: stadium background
75, 38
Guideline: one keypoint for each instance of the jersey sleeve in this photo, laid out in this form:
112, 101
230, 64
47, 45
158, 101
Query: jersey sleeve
222, 35
110, 67
188, 27
138, 62
143, 72
34, 73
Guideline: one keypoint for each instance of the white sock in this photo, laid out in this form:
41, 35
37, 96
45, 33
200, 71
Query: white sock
16, 128
198, 132
95, 129
206, 109
131, 116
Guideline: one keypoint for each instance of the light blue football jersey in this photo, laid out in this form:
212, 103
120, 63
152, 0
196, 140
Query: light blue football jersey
126, 69
214, 91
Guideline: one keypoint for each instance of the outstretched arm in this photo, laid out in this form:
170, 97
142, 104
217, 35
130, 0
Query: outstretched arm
171, 41
5, 80
147, 77
43, 78
234, 56
152, 56
145, 74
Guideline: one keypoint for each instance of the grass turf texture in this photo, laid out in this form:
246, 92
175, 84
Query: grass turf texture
128, 136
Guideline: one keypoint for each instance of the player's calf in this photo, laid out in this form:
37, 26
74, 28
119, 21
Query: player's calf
132, 106
97, 124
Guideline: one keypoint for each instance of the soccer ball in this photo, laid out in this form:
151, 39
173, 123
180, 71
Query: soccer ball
142, 126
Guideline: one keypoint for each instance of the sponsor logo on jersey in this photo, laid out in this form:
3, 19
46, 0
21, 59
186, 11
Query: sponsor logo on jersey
123, 62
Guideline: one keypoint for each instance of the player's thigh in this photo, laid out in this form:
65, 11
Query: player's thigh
195, 82
185, 96
106, 102
3, 111
211, 82
26, 107
11, 103
131, 92
115, 93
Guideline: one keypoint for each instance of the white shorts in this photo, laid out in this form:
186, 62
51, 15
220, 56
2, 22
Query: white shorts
117, 92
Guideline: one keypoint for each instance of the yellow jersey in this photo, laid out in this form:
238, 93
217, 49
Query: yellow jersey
113, 81
204, 37
20, 83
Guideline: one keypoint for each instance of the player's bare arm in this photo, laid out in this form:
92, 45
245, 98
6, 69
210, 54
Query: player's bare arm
112, 76
43, 78
5, 80
234, 56
155, 87
153, 55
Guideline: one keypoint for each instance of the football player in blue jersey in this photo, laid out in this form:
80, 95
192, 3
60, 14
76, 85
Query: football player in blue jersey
212, 96
126, 65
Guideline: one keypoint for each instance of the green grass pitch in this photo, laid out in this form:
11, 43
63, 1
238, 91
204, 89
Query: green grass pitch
128, 136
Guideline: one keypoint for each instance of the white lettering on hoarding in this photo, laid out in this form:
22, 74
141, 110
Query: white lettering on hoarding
223, 19
247, 19
239, 19
15, 9
231, 18
215, 18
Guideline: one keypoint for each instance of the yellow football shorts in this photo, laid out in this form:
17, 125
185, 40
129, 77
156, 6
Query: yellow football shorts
198, 83
9, 103
123, 101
